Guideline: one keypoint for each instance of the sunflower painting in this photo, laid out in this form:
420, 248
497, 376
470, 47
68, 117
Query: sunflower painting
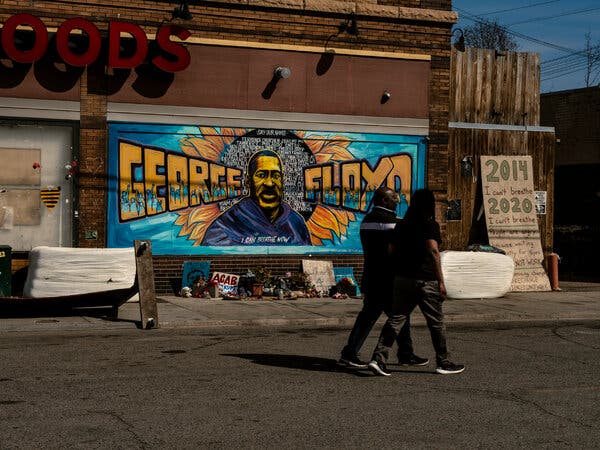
239, 190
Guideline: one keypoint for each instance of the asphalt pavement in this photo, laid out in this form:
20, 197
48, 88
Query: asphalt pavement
575, 303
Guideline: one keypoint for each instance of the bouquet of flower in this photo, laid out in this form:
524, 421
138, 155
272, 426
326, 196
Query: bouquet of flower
346, 286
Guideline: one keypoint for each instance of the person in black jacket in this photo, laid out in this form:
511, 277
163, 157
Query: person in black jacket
377, 281
418, 280
262, 218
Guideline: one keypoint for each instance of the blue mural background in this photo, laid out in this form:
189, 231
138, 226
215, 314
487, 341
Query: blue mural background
164, 233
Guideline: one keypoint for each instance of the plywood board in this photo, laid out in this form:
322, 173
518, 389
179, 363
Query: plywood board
16, 167
25, 204
7, 215
476, 142
320, 273
512, 224
145, 280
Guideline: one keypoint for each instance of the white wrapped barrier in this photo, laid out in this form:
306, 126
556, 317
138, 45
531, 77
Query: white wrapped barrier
59, 271
477, 274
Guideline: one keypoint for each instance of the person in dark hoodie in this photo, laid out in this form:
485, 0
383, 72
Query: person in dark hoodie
377, 281
418, 280
262, 218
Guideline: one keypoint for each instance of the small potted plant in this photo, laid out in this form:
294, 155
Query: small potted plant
262, 277
299, 281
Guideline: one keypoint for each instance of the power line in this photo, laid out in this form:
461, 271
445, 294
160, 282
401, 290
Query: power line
567, 13
560, 67
517, 8
579, 65
580, 52
477, 19
544, 78
569, 68
582, 64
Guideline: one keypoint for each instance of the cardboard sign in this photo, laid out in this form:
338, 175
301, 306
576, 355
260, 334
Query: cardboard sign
512, 224
23, 205
17, 168
228, 283
320, 273
193, 270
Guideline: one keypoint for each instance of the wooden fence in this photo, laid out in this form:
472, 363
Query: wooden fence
495, 88
494, 110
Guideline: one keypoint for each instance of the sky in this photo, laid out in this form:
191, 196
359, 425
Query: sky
556, 29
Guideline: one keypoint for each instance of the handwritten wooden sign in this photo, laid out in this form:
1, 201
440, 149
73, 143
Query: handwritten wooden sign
512, 224
320, 274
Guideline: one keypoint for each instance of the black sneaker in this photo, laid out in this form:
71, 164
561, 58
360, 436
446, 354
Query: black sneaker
354, 362
378, 368
447, 368
412, 360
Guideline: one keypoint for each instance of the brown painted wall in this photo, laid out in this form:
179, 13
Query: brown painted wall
242, 78
41, 80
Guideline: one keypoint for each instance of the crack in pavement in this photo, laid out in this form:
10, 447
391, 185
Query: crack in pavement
524, 350
556, 333
129, 427
513, 397
550, 413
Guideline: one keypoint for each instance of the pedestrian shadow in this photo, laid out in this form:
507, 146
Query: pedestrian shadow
302, 362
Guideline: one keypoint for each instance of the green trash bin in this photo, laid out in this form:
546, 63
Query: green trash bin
5, 271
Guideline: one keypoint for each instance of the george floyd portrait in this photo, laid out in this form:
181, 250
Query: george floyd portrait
262, 217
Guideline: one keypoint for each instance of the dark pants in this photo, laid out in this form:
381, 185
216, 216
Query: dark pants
407, 295
373, 306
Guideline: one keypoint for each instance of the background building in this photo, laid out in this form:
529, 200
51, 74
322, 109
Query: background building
575, 114
124, 141
139, 121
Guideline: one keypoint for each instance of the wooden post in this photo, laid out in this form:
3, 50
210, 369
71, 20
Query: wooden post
145, 279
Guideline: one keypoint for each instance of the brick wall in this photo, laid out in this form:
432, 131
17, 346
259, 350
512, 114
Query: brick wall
575, 114
168, 269
93, 140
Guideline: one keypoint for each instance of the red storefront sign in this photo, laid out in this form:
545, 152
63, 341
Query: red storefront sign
179, 59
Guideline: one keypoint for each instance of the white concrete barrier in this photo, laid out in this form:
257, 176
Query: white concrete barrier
58, 271
477, 274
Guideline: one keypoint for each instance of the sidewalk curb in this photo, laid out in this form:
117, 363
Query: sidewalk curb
345, 324
301, 324
516, 310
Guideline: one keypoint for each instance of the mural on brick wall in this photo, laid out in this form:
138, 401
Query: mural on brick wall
211, 190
